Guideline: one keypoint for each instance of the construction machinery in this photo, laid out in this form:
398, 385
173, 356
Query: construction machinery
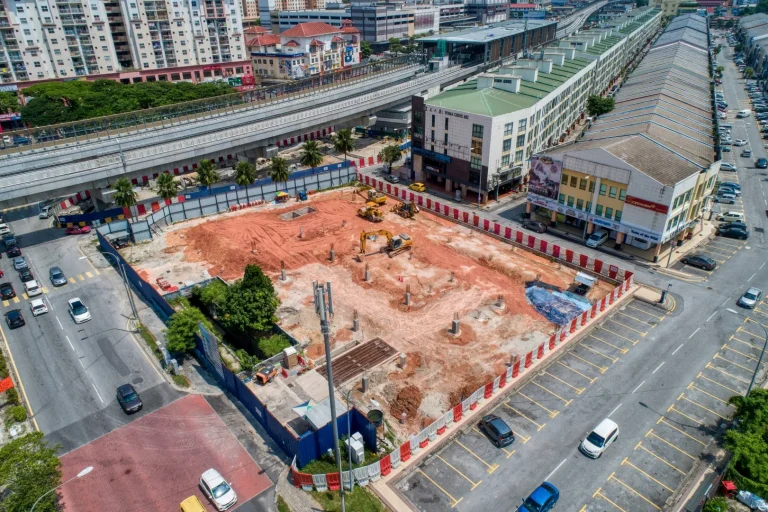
266, 374
395, 244
371, 211
406, 209
377, 197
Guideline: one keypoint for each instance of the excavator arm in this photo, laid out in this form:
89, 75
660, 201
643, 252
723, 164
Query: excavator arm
379, 232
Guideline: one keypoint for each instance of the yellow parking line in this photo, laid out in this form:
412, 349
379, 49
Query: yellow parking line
740, 353
634, 342
552, 413
757, 336
622, 350
16, 300
612, 359
454, 500
590, 379
5, 303
713, 367
734, 338
693, 386
646, 450
465, 477
626, 461
45, 290
523, 437
24, 295
635, 318
635, 492
720, 242
72, 280
718, 356
601, 369
701, 375
491, 468
641, 333
686, 434
80, 277
651, 433
88, 274
576, 389
672, 409
97, 271
538, 426
598, 493
705, 408
645, 312
567, 402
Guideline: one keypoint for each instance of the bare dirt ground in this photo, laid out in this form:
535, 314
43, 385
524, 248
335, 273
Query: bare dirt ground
451, 270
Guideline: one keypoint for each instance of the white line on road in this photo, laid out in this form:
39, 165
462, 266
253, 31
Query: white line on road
761, 266
553, 471
70, 343
726, 302
710, 316
97, 392
681, 346
81, 363
753, 275
638, 387
614, 410
694, 334
657, 368
82, 257
62, 327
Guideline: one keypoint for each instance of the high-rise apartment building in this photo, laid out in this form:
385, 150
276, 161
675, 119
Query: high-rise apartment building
50, 39
268, 7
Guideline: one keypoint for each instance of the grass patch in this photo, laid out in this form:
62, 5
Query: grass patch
282, 506
181, 380
151, 342
359, 500
325, 464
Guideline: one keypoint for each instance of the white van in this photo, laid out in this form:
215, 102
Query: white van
743, 113
730, 217
600, 439
641, 243
598, 238
45, 212
32, 288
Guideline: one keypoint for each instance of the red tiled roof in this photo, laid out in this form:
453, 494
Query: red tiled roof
337, 39
349, 30
265, 40
255, 30
523, 6
291, 43
310, 29
315, 42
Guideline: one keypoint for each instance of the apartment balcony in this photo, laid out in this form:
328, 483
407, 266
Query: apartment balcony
4, 23
22, 76
15, 58
12, 46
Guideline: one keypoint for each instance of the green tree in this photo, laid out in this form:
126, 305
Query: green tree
716, 504
395, 46
278, 169
365, 49
391, 154
166, 186
273, 345
749, 73
719, 70
29, 468
251, 303
310, 154
245, 174
729, 24
748, 442
207, 174
738, 48
180, 335
124, 194
343, 142
256, 279
641, 3
213, 296
9, 102
717, 50
597, 105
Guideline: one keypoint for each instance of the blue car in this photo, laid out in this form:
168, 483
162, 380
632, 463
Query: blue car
542, 499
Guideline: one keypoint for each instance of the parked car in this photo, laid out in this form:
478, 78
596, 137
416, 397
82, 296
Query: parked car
727, 166
129, 399
6, 291
725, 149
4, 229
26, 275
9, 240
737, 233
700, 260
534, 225
392, 179
38, 307
761, 163
14, 319
750, 298
78, 311
13, 252
497, 430
727, 189
747, 153
722, 115
19, 263
731, 184
217, 490
741, 142
418, 187
543, 499
730, 217
725, 198
57, 277
601, 437
78, 230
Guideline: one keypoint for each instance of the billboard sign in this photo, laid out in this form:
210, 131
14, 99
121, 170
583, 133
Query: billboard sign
646, 205
545, 177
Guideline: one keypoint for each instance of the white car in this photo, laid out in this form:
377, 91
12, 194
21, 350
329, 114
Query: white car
722, 115
740, 142
217, 490
4, 229
604, 435
78, 311
38, 307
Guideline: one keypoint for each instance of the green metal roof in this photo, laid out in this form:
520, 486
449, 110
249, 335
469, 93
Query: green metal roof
495, 102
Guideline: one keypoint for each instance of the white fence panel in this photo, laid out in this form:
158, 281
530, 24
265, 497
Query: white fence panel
320, 483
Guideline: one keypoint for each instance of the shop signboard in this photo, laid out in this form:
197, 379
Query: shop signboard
545, 177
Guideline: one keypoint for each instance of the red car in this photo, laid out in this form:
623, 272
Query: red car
78, 230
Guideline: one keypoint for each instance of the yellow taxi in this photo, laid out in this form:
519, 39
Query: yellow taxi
418, 187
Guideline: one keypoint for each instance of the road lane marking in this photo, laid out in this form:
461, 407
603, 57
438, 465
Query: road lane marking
538, 425
634, 492
552, 413
665, 422
70, 343
45, 290
652, 433
638, 387
89, 274
567, 402
614, 410
705, 408
628, 463
16, 300
72, 280
576, 389
6, 303
553, 471
590, 379
611, 359
622, 350
753, 275
761, 266
62, 327
713, 367
24, 295
702, 376
657, 368
465, 477
601, 369
491, 468
726, 302
646, 450
80, 277
718, 356
694, 333
710, 316
97, 392
599, 494
693, 386
453, 500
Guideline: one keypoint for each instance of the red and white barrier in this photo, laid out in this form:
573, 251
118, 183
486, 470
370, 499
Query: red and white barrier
75, 199
287, 141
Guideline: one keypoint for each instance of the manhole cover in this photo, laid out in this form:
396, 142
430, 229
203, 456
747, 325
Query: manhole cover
759, 230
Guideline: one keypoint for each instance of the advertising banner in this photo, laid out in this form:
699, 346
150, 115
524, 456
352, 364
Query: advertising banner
545, 177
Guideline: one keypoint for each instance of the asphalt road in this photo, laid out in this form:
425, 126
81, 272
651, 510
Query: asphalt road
69, 372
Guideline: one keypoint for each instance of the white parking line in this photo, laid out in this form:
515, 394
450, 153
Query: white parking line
62, 327
97, 392
681, 346
694, 333
638, 387
726, 300
657, 368
614, 410
70, 343
753, 275
553, 471
710, 316
761, 266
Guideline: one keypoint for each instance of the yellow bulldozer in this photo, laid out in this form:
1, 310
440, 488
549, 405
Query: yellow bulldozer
377, 197
406, 209
371, 211
395, 244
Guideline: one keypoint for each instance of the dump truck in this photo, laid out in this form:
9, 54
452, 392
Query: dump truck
395, 244
371, 211
406, 209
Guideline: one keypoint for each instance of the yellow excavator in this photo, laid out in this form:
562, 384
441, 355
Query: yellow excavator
371, 211
406, 209
395, 244
377, 197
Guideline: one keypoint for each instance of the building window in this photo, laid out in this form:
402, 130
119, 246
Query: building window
445, 139
574, 181
505, 160
522, 125
589, 206
591, 186
477, 147
622, 194
476, 163
583, 184
603, 188
608, 212
561, 199
612, 192
520, 141
433, 120
564, 179
477, 131
507, 145
509, 128
446, 123
570, 201
617, 216
519, 156
599, 209
579, 204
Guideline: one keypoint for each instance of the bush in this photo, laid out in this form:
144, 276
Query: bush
273, 345
181, 380
151, 342
12, 396
213, 296
182, 328
17, 413
247, 361
717, 504
282, 506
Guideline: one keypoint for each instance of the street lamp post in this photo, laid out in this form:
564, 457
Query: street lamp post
349, 445
762, 352
121, 271
79, 475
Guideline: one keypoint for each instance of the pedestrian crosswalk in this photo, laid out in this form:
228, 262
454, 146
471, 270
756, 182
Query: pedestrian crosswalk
73, 280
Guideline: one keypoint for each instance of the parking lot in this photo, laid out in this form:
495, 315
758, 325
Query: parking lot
458, 473
660, 461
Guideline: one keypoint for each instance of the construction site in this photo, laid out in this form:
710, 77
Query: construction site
424, 310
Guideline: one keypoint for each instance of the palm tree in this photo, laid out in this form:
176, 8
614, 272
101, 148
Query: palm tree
343, 142
278, 169
124, 194
207, 174
166, 186
245, 174
391, 154
311, 155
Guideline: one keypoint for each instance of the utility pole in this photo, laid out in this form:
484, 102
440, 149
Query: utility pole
322, 309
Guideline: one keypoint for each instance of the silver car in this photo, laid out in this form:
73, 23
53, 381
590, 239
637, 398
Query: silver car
750, 298
20, 263
57, 276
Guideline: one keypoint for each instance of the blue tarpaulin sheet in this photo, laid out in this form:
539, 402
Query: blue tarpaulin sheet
556, 309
